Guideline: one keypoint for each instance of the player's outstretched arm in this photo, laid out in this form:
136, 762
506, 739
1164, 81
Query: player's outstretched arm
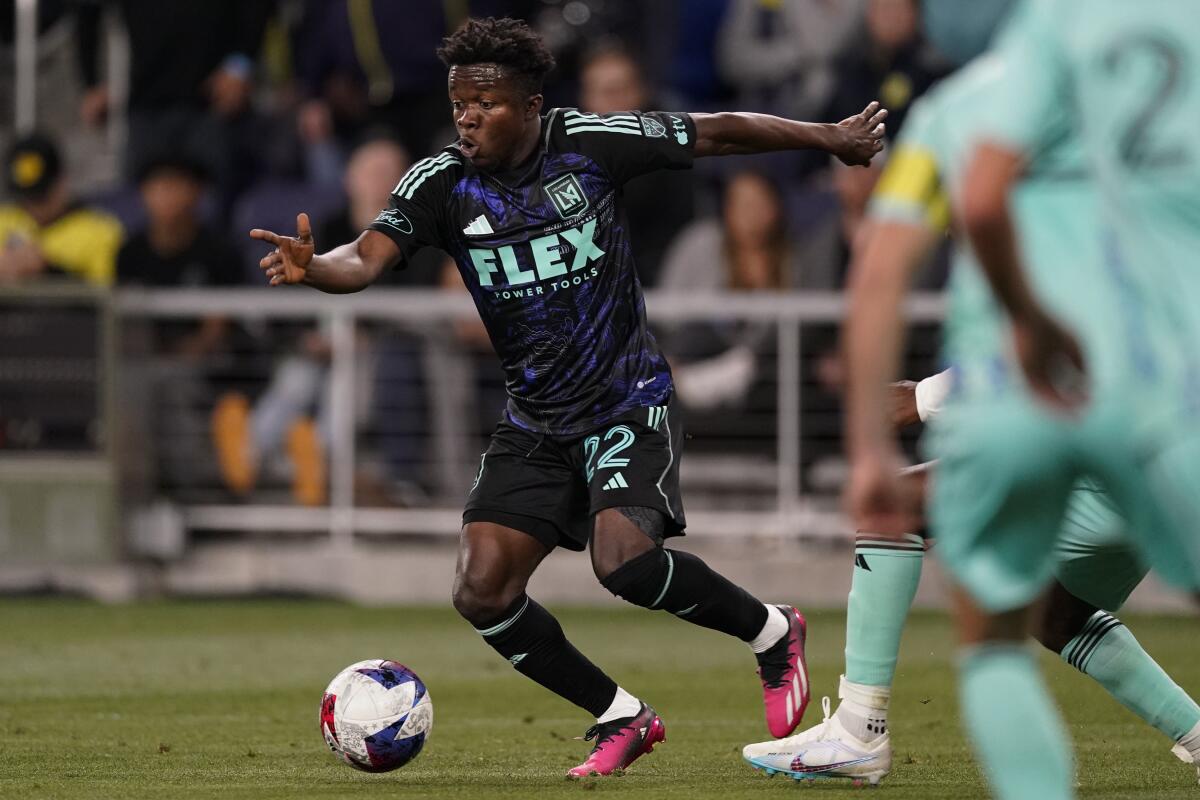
349, 268
853, 140
887, 255
1050, 357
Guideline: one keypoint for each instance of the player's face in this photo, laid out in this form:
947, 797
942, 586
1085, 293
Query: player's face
492, 115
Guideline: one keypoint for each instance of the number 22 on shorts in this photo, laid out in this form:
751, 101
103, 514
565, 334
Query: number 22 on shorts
608, 459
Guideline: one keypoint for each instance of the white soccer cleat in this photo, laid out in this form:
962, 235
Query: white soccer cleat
823, 751
1183, 755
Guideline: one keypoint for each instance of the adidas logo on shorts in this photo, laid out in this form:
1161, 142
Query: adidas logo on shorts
616, 482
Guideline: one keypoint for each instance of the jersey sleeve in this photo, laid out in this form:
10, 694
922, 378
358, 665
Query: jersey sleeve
912, 188
416, 213
628, 144
1031, 112
931, 394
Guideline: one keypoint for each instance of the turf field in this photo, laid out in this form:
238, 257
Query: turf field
219, 700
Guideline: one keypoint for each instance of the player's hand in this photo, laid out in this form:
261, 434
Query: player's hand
861, 135
292, 255
877, 499
1052, 361
902, 404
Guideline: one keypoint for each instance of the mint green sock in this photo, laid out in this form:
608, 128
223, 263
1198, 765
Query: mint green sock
1105, 650
886, 575
1013, 723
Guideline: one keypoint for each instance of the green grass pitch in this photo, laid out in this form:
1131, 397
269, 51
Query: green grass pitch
219, 700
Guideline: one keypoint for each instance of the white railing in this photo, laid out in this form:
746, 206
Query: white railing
25, 72
791, 514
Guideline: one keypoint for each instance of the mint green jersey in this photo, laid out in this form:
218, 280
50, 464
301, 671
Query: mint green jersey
1011, 474
1056, 213
1127, 77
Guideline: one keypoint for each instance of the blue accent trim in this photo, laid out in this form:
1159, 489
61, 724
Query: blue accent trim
802, 776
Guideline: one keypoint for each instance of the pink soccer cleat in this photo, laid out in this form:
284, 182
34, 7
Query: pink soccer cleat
621, 742
785, 677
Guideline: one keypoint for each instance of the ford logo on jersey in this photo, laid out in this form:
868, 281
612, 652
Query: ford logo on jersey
394, 218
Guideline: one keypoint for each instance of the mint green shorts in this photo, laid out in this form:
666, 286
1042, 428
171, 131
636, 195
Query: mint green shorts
1093, 558
1011, 508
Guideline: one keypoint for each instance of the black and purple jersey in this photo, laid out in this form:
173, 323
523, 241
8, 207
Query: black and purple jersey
544, 250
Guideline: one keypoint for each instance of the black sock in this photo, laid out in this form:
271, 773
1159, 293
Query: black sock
533, 641
679, 582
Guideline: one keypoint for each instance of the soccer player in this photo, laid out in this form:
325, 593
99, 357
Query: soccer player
1014, 438
587, 454
1097, 569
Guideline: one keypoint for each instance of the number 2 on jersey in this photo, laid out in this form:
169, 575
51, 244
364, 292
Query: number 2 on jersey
1156, 53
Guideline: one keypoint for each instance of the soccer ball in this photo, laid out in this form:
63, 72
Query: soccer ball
376, 715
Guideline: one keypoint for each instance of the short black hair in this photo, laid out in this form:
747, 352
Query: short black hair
510, 43
173, 162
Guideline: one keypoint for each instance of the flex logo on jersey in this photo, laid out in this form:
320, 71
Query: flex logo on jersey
547, 255
568, 196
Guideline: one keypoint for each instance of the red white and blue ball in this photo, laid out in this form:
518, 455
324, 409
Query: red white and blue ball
376, 715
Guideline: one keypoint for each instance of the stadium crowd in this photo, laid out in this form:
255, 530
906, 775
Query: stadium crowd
237, 114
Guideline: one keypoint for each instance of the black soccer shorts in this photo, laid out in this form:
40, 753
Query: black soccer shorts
551, 486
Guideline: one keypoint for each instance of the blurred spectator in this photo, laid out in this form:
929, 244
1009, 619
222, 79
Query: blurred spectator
891, 62
569, 29
826, 249
292, 415
247, 437
612, 82
190, 80
657, 205
828, 252
827, 256
177, 250
778, 54
362, 63
438, 404
373, 170
715, 365
747, 248
852, 187
399, 393
962, 31
693, 72
45, 232
56, 89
